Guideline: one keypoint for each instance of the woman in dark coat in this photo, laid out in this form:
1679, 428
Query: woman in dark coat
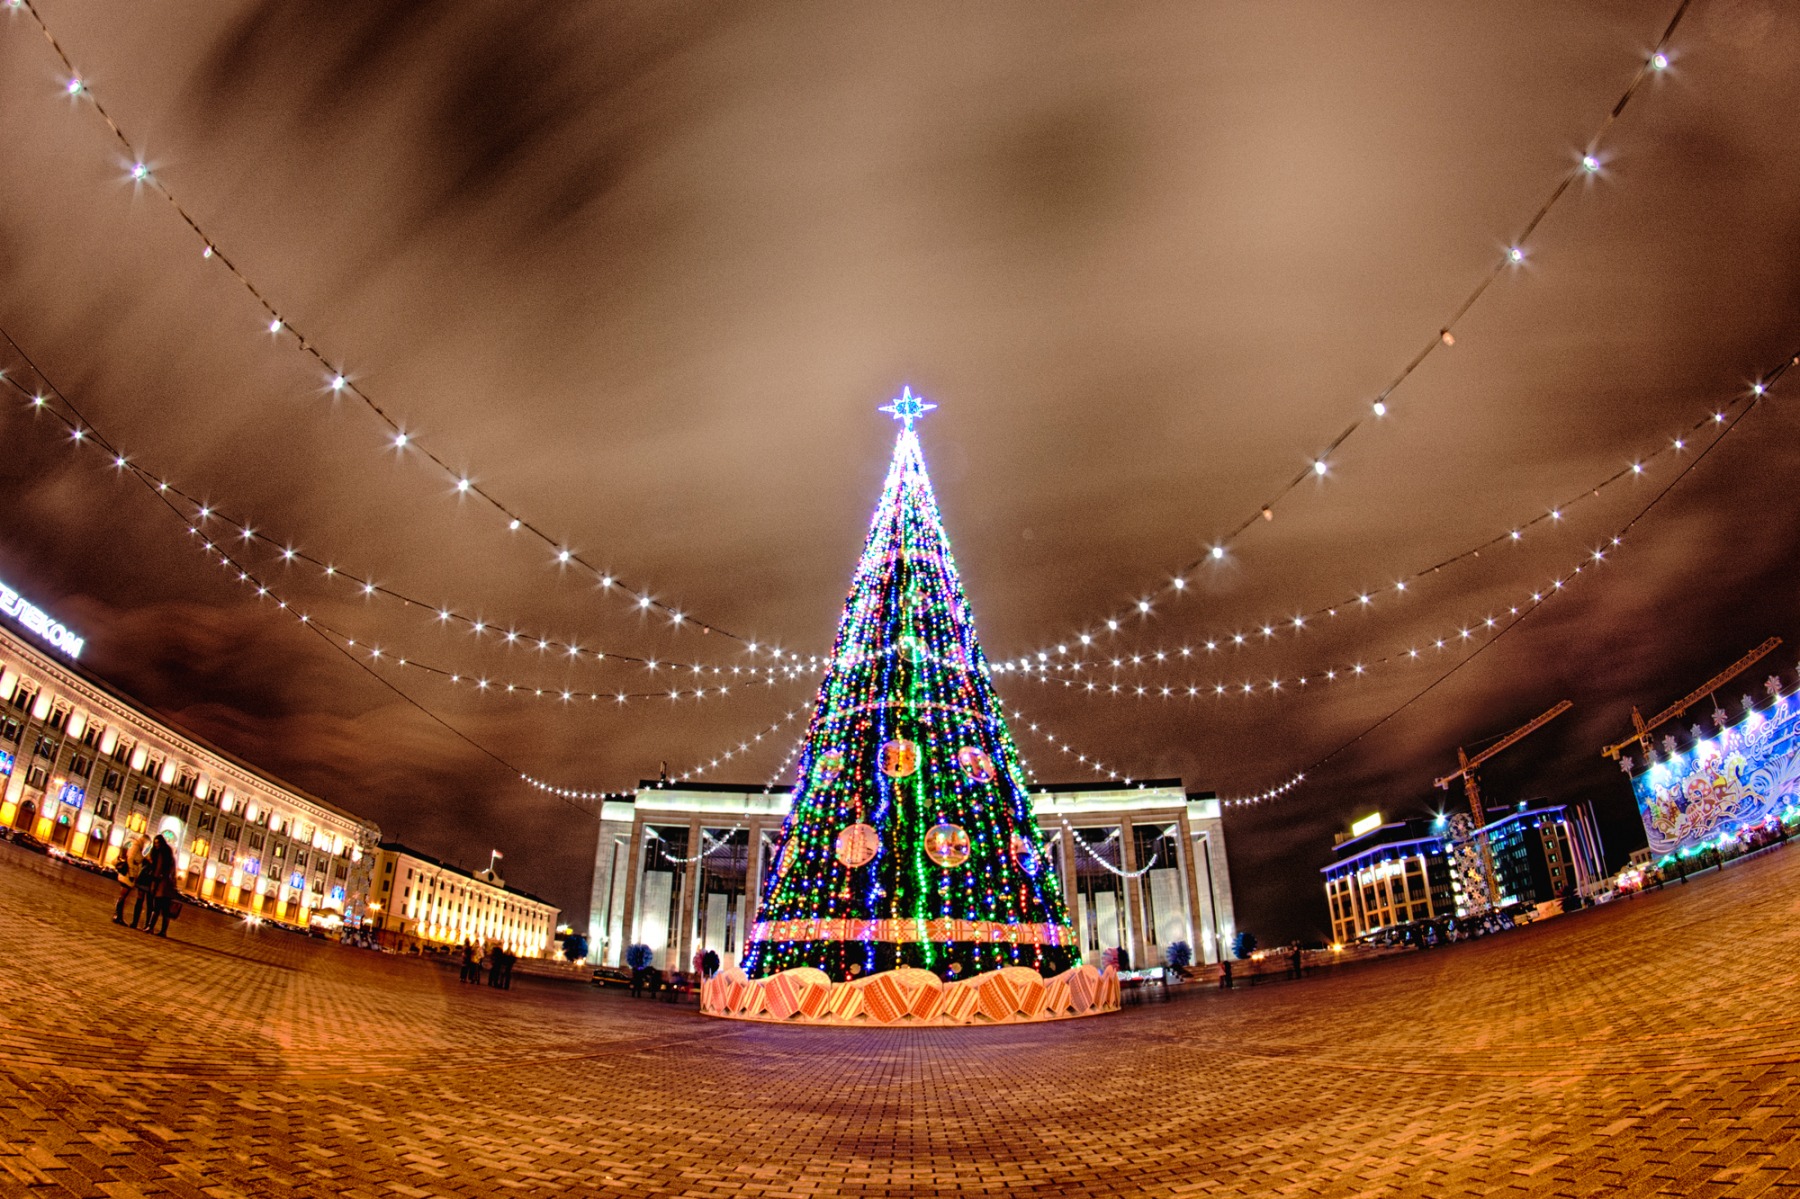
162, 889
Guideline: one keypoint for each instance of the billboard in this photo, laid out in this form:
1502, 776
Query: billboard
1720, 784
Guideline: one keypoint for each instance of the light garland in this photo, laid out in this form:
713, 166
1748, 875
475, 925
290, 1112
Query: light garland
86, 435
83, 434
1295, 624
1119, 871
718, 843
82, 430
1293, 781
336, 382
743, 748
1588, 166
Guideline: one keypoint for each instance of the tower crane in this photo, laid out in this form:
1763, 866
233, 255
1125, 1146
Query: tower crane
1646, 727
1472, 789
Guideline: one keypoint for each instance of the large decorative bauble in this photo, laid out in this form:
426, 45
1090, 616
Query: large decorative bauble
899, 758
1025, 854
912, 648
829, 766
856, 845
947, 844
976, 764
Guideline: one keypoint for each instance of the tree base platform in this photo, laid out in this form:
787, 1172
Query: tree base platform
897, 998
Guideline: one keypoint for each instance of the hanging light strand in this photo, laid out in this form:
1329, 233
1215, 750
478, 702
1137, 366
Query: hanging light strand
1294, 780
81, 430
77, 87
1072, 656
1589, 165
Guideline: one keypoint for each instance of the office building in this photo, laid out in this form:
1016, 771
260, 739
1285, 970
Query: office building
420, 902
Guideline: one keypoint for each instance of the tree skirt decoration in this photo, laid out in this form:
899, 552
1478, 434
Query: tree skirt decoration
909, 997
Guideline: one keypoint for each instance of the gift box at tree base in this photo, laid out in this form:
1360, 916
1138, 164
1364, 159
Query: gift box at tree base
911, 883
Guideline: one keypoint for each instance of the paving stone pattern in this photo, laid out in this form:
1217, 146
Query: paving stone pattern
1644, 1048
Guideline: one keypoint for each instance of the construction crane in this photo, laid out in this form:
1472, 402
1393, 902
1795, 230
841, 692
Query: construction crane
1472, 789
1646, 727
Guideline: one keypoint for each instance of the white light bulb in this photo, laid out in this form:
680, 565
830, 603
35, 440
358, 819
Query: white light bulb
1589, 163
1380, 408
139, 172
275, 326
1218, 551
1515, 254
400, 441
74, 86
337, 382
1319, 467
562, 555
462, 484
1659, 61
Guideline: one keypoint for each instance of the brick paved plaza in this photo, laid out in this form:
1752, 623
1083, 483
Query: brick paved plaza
1644, 1048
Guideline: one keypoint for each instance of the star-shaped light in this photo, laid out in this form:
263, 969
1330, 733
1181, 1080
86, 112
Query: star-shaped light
907, 407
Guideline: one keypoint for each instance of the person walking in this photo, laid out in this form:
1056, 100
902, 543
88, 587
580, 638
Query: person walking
130, 861
468, 960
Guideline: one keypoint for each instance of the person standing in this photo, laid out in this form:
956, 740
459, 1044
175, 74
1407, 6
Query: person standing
162, 884
130, 861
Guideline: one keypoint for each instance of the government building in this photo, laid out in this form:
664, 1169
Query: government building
418, 902
82, 767
679, 868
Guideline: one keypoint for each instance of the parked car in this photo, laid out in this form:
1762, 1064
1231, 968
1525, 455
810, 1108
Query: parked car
612, 976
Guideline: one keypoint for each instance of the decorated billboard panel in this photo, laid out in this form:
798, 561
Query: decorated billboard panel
1739, 778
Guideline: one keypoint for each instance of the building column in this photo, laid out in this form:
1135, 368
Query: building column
634, 858
690, 901
1184, 846
1134, 899
1071, 894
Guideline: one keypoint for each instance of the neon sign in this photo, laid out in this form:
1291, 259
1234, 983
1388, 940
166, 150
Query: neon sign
73, 795
6, 763
38, 622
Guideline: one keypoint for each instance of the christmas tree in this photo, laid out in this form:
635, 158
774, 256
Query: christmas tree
911, 840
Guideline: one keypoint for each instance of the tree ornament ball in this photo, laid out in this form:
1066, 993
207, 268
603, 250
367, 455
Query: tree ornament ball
857, 844
947, 845
831, 764
899, 758
1025, 854
976, 764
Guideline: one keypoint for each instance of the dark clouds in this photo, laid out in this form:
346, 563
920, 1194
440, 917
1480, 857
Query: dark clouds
646, 271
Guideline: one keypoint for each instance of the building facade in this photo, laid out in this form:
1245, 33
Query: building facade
419, 902
679, 868
83, 766
1391, 875
1405, 872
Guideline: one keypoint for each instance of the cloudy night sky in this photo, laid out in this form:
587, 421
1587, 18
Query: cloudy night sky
644, 272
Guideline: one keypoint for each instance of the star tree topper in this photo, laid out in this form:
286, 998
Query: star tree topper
907, 407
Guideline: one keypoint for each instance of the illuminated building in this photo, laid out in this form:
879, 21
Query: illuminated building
1542, 852
674, 870
418, 901
84, 766
1385, 876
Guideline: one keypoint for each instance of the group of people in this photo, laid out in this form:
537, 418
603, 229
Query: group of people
146, 873
496, 961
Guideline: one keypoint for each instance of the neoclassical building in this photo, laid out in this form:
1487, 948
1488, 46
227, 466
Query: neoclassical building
679, 867
83, 766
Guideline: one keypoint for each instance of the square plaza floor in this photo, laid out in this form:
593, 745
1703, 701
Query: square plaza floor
1648, 1047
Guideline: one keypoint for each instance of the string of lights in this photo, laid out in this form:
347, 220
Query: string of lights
1294, 624
1590, 165
1293, 781
81, 429
1091, 852
718, 843
338, 383
742, 748
247, 575
86, 435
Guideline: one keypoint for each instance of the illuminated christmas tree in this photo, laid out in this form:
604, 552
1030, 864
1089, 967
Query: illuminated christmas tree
911, 840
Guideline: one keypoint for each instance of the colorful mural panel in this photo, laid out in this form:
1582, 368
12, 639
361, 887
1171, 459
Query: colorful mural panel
1739, 778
